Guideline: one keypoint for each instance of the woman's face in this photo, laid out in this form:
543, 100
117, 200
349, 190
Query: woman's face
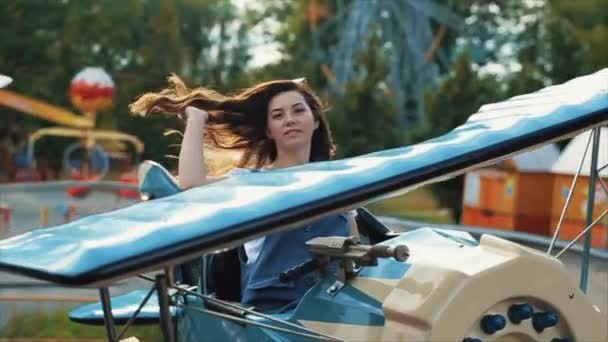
291, 123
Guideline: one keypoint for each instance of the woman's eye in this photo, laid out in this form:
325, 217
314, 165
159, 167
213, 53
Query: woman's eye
277, 116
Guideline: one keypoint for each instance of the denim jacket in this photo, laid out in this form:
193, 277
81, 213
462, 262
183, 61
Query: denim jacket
260, 285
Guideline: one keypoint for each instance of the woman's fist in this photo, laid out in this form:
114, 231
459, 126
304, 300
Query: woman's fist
195, 114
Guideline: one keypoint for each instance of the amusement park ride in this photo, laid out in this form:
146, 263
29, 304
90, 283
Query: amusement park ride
411, 39
428, 284
91, 91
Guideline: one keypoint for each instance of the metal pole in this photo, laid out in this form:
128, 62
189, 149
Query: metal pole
584, 232
104, 294
590, 205
166, 323
570, 193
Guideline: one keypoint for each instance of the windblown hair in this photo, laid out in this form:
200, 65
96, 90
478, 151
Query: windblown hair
239, 122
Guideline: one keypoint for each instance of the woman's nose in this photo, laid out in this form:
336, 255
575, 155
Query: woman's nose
289, 119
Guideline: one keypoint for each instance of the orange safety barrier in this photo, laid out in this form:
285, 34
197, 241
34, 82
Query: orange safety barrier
522, 201
487, 218
571, 228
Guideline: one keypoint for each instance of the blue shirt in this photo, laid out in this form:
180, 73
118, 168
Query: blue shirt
260, 285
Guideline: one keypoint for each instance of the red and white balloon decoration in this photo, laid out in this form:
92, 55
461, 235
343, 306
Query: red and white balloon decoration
92, 90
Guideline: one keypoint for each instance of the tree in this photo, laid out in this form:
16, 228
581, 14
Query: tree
367, 119
460, 95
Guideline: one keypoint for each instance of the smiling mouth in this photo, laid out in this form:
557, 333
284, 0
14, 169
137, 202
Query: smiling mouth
292, 131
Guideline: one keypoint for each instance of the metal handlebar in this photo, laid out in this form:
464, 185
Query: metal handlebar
345, 248
299, 270
399, 252
349, 248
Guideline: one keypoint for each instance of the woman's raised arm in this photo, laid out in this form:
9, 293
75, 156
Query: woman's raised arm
191, 167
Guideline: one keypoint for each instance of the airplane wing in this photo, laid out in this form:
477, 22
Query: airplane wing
99, 249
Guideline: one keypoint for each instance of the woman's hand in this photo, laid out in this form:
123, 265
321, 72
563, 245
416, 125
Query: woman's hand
196, 115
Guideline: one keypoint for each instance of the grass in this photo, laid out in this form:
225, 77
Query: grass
419, 205
57, 325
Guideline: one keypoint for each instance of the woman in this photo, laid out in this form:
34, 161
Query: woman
275, 124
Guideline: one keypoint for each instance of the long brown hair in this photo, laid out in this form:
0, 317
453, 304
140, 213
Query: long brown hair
239, 122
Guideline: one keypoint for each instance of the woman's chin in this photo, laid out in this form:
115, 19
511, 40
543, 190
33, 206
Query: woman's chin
294, 144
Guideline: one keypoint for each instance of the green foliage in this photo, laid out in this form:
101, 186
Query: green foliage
524, 81
460, 95
365, 121
560, 41
366, 118
577, 33
57, 325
